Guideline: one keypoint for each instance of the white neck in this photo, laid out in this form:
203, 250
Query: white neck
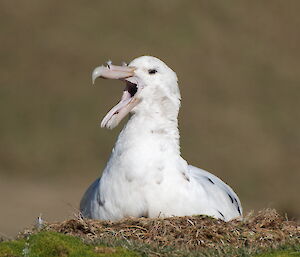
147, 143
151, 129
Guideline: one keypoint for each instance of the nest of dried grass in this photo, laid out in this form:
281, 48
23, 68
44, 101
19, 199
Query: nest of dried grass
267, 229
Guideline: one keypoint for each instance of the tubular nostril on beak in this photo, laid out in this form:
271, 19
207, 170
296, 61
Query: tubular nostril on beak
108, 63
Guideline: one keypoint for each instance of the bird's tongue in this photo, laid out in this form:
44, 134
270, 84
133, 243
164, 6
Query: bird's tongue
118, 112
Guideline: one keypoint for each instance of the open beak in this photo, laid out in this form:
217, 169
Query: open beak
128, 100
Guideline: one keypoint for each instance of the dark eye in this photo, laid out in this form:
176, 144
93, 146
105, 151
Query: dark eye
152, 71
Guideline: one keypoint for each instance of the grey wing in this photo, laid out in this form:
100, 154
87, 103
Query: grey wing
90, 199
222, 196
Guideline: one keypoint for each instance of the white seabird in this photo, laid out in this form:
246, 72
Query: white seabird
145, 175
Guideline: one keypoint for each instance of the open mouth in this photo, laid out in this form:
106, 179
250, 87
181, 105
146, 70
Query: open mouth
131, 88
129, 98
126, 104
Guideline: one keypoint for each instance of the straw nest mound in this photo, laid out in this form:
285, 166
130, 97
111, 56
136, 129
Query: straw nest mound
266, 229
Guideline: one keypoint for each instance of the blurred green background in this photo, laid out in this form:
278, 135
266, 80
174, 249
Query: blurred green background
238, 64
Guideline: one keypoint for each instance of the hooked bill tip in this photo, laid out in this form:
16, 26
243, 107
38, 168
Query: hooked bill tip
97, 73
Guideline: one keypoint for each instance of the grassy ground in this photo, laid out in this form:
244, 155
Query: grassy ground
51, 244
264, 234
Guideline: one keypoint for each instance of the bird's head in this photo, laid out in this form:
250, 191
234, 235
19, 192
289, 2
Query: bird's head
151, 87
